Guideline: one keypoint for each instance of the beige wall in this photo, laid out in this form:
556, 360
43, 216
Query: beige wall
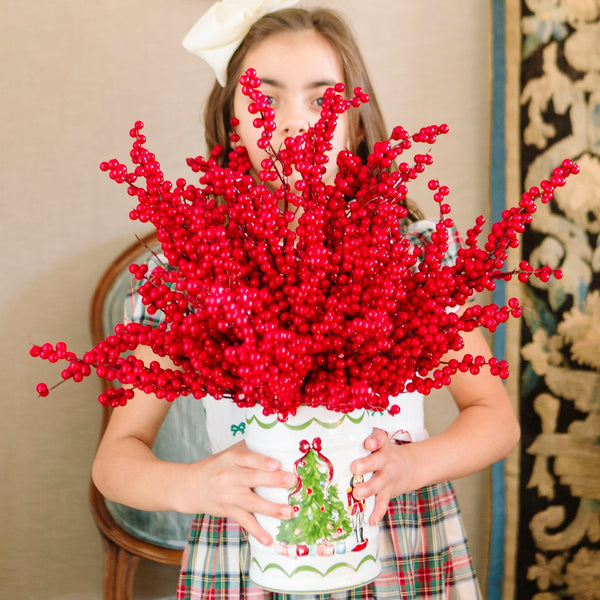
75, 76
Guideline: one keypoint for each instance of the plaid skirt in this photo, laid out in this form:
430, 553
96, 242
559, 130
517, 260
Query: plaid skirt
422, 548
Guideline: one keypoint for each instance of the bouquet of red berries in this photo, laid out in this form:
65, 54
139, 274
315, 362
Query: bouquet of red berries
326, 302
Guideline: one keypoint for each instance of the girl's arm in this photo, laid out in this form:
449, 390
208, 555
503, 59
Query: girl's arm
125, 470
484, 431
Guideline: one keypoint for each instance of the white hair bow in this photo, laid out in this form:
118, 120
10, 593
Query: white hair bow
219, 32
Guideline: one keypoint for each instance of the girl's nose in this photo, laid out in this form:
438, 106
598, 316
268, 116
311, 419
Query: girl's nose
293, 123
294, 128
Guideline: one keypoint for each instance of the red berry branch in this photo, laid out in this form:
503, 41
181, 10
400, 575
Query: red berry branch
331, 301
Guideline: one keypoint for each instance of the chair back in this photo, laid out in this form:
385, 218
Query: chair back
182, 437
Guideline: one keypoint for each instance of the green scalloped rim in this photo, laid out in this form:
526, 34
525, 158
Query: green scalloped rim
308, 423
312, 569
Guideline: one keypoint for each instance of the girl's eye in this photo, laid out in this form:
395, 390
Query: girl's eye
319, 101
271, 100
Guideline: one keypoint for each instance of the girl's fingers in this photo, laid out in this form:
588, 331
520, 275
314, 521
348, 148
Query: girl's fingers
252, 460
254, 478
376, 440
368, 464
250, 524
257, 470
267, 471
244, 515
261, 506
377, 486
380, 508
373, 486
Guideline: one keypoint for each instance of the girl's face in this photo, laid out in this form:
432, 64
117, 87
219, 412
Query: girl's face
295, 69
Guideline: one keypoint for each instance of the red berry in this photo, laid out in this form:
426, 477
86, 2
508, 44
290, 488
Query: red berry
42, 390
315, 292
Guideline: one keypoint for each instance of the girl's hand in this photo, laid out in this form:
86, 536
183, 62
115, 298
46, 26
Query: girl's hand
391, 472
223, 485
484, 431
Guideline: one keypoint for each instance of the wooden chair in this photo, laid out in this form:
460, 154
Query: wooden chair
128, 534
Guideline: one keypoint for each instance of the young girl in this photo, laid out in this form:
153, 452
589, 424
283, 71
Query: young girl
298, 54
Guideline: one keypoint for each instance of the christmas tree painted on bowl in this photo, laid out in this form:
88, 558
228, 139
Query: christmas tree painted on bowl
320, 516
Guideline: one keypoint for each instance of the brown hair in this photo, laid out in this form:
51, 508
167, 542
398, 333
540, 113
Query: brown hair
366, 124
